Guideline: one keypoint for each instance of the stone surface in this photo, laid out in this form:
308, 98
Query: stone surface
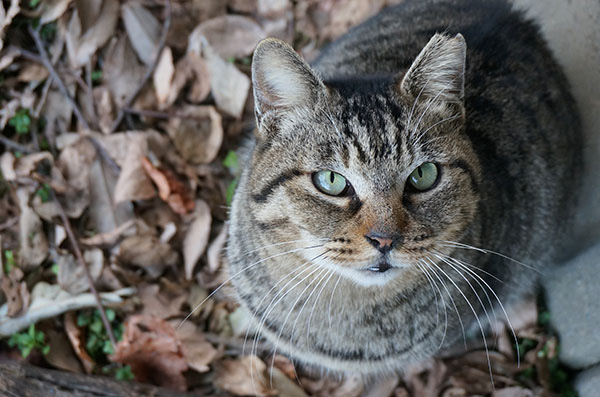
587, 382
572, 295
572, 29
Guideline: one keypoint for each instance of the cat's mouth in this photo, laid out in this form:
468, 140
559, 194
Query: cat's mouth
380, 267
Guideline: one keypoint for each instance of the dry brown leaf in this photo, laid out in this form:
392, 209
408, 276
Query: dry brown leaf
147, 252
6, 17
514, 391
151, 347
243, 6
273, 8
201, 78
122, 71
198, 134
215, 250
245, 376
163, 76
52, 10
229, 86
231, 36
161, 303
61, 355
110, 238
143, 30
196, 237
170, 189
15, 291
199, 353
133, 183
71, 276
81, 47
104, 108
32, 72
33, 241
284, 385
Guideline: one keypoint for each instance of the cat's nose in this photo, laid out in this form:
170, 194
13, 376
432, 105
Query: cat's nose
383, 242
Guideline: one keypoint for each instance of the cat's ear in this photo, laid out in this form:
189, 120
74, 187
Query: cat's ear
438, 72
281, 79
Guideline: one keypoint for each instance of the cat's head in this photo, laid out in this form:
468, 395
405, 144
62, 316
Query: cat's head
357, 183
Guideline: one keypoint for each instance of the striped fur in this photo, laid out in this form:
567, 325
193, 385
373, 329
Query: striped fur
393, 93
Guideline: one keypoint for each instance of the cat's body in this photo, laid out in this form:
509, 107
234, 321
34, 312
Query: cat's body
362, 281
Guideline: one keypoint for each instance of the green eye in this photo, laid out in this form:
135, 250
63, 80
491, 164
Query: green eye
424, 177
330, 183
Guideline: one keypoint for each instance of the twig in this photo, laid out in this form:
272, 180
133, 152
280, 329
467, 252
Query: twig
83, 264
149, 70
12, 144
63, 89
61, 85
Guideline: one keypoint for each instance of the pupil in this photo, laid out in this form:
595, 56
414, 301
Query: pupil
420, 172
331, 177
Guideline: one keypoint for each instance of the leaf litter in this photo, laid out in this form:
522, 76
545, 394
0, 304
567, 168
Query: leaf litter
130, 132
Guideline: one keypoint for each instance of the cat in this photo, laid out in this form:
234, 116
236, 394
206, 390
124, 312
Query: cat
405, 189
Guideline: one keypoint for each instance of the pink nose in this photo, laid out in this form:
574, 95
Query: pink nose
383, 243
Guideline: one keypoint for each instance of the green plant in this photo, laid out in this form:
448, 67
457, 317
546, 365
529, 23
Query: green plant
9, 261
232, 164
96, 76
98, 344
27, 341
44, 192
21, 121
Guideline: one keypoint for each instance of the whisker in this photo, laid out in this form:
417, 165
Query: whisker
514, 334
432, 281
235, 275
455, 244
476, 318
331, 299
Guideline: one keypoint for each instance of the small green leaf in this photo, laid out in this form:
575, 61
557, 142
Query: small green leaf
83, 319
231, 161
230, 190
26, 350
107, 347
110, 314
96, 76
54, 270
96, 326
124, 373
34, 3
46, 350
21, 121
44, 193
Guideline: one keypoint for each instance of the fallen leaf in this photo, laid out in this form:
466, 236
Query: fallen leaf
33, 241
244, 376
121, 70
110, 238
134, 183
170, 189
151, 347
229, 86
61, 354
514, 391
201, 78
104, 108
196, 237
284, 385
32, 72
15, 291
52, 10
243, 6
163, 76
215, 250
159, 303
232, 36
143, 30
48, 301
71, 275
273, 8
148, 253
80, 47
197, 133
198, 352
6, 17
75, 337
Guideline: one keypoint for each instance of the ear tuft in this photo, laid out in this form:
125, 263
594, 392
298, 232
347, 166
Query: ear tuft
438, 71
281, 79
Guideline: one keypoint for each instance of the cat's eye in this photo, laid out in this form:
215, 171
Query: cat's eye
331, 183
424, 176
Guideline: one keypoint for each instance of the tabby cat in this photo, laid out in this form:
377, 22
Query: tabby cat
406, 188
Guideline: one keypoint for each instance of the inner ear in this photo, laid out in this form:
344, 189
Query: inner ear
438, 72
281, 79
